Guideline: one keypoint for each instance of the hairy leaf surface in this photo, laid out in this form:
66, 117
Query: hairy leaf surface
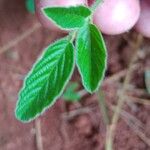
68, 17
91, 56
46, 80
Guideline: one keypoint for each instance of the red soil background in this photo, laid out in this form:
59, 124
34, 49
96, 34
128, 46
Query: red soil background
83, 131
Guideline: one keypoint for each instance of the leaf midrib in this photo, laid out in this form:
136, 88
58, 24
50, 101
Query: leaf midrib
22, 106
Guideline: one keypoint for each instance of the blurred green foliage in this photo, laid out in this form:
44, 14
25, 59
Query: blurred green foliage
70, 93
30, 5
147, 80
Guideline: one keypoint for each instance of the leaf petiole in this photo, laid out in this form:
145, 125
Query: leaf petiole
72, 36
96, 4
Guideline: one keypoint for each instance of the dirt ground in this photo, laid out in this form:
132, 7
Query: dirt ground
85, 129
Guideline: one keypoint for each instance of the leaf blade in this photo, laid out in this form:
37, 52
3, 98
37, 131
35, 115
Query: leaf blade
68, 17
46, 81
91, 57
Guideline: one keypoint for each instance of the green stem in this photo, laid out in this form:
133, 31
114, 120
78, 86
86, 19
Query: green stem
72, 36
96, 4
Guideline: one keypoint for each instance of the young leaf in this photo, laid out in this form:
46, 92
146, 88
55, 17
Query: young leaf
147, 80
91, 56
46, 80
70, 93
68, 17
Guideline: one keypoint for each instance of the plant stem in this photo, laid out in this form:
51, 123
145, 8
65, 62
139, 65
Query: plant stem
102, 104
38, 137
72, 35
104, 111
121, 99
96, 4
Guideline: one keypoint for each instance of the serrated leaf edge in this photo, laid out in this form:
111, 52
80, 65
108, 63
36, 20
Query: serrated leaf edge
103, 75
67, 29
54, 100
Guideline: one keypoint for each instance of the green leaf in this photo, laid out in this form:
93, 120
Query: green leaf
70, 93
30, 5
68, 17
91, 57
147, 80
46, 81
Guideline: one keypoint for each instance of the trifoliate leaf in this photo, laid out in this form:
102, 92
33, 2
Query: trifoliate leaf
91, 56
147, 80
68, 17
46, 81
